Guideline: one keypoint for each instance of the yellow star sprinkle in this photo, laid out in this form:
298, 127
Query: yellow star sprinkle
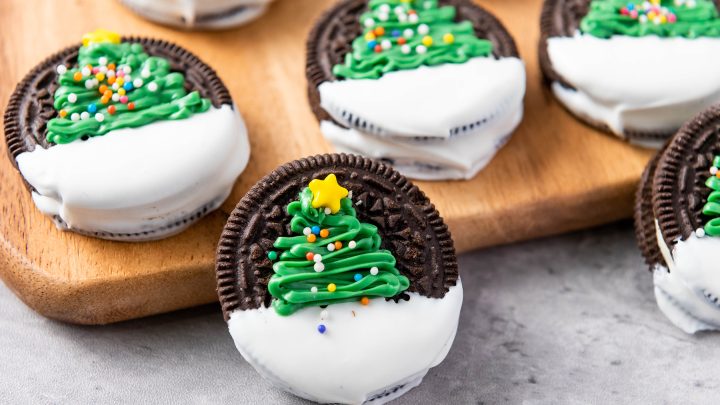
99, 36
327, 193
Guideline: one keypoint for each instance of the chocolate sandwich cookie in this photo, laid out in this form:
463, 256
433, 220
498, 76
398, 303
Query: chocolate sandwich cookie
678, 227
339, 254
199, 14
125, 138
637, 69
433, 87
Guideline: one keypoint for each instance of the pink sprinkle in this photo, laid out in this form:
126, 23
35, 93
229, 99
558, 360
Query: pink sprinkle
120, 73
634, 14
124, 99
624, 11
95, 69
672, 18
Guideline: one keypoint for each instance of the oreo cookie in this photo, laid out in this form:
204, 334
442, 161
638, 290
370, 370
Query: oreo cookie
110, 148
199, 14
339, 251
589, 48
676, 223
434, 88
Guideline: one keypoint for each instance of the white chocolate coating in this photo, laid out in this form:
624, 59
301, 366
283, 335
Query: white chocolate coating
145, 179
384, 347
688, 290
212, 14
648, 84
466, 111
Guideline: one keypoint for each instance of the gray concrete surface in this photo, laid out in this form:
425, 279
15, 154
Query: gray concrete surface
564, 320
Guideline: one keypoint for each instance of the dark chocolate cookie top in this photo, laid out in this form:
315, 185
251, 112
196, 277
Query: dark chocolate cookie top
644, 217
408, 223
31, 104
678, 186
331, 39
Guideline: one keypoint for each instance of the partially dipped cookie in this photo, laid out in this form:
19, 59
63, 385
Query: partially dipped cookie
199, 14
338, 280
433, 87
677, 222
125, 138
637, 69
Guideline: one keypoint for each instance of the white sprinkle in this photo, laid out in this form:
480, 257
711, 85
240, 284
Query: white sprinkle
323, 314
352, 244
369, 22
386, 44
137, 82
643, 19
307, 231
408, 33
110, 73
350, 194
115, 86
423, 29
313, 290
700, 232
657, 20
406, 50
427, 5
331, 247
103, 69
145, 73
127, 79
72, 97
127, 69
713, 170
102, 60
691, 3
413, 18
85, 71
61, 69
328, 211
402, 17
99, 117
384, 8
374, 271
89, 84
317, 258
383, 16
319, 267
152, 86
420, 49
84, 115
74, 116
399, 10
115, 97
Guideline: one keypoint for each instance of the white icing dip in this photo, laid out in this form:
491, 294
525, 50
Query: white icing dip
141, 179
468, 110
636, 83
366, 350
200, 13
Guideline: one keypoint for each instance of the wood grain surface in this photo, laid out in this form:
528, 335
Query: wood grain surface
555, 174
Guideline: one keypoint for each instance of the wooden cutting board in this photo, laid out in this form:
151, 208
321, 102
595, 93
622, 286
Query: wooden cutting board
555, 175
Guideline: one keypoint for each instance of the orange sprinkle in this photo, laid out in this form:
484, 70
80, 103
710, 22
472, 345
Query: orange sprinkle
111, 66
324, 233
89, 66
111, 80
107, 93
364, 300
111, 109
402, 41
131, 106
102, 89
338, 245
77, 76
309, 256
379, 31
63, 113
311, 238
717, 174
105, 100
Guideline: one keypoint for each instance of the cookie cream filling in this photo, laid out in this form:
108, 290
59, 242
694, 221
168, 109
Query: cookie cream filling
200, 13
688, 290
140, 183
480, 100
372, 353
647, 84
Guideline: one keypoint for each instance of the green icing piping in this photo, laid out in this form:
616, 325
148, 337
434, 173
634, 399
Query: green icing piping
295, 276
161, 96
664, 18
393, 39
712, 206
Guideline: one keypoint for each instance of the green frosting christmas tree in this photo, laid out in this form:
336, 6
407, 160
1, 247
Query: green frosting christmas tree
712, 206
117, 85
665, 18
334, 258
405, 34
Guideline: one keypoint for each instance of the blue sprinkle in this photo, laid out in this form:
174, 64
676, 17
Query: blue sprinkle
316, 230
321, 328
371, 44
631, 6
358, 277
396, 33
92, 108
128, 86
